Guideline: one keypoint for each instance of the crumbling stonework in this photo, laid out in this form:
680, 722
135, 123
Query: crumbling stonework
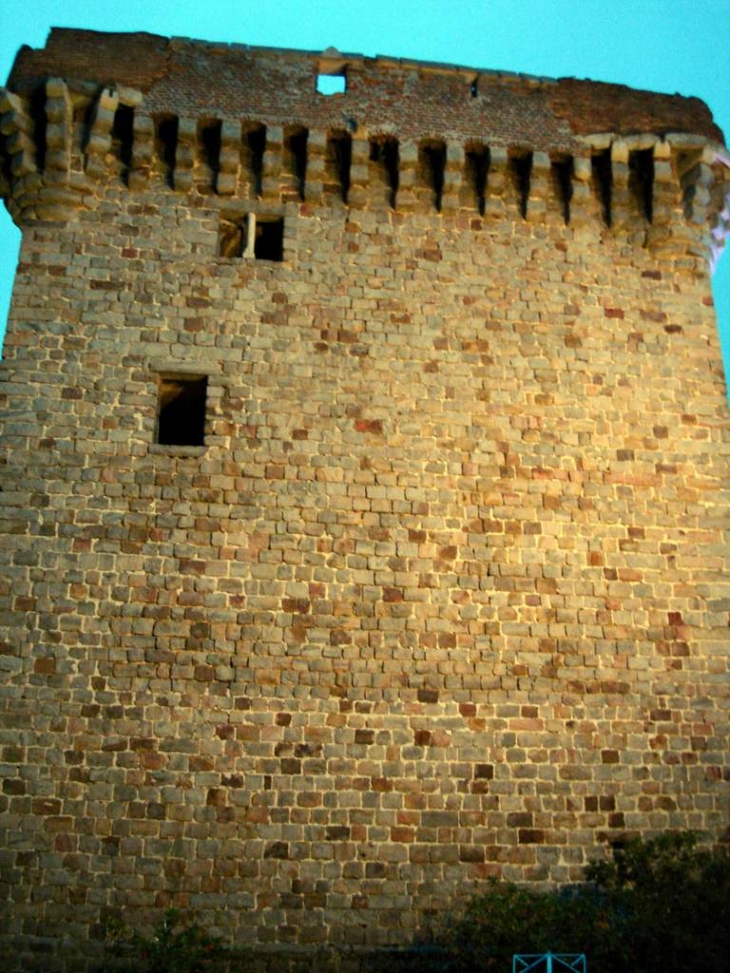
437, 589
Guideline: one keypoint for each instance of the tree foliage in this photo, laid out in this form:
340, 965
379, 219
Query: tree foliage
661, 906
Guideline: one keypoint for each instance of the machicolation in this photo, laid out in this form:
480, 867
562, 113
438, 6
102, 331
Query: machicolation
364, 488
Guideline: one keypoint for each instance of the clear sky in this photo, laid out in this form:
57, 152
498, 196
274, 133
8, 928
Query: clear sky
663, 45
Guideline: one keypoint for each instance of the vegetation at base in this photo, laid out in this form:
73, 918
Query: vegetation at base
660, 906
174, 947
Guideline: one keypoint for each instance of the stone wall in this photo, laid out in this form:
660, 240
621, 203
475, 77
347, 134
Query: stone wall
442, 596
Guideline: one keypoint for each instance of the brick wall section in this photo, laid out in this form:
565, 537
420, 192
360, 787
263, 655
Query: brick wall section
443, 597
192, 77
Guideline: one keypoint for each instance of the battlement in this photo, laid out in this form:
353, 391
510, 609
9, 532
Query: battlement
243, 123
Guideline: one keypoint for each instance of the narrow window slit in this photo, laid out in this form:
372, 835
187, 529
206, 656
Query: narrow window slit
209, 134
82, 116
37, 111
123, 138
384, 153
256, 146
181, 406
562, 171
521, 167
339, 160
6, 160
433, 168
602, 182
641, 180
166, 146
295, 146
477, 171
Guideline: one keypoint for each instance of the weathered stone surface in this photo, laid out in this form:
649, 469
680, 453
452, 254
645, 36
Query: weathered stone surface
441, 596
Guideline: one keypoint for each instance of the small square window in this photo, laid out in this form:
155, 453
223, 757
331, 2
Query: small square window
260, 237
332, 84
181, 404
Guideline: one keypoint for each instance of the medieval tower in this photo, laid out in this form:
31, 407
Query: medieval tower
364, 488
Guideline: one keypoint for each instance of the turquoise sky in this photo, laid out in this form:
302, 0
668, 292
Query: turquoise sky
663, 45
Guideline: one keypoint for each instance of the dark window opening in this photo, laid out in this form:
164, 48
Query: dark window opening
641, 180
339, 160
475, 87
602, 182
210, 146
256, 145
268, 239
166, 146
5, 160
295, 148
433, 168
37, 111
260, 237
181, 410
334, 83
562, 171
477, 169
521, 167
384, 152
81, 117
123, 137
686, 163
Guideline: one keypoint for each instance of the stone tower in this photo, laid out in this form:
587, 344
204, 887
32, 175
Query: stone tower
364, 488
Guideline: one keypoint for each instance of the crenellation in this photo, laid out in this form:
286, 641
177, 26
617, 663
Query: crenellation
629, 179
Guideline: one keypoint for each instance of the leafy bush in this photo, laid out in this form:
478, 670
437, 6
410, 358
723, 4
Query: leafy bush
173, 947
675, 901
661, 906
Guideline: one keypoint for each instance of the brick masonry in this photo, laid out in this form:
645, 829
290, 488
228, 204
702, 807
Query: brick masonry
444, 595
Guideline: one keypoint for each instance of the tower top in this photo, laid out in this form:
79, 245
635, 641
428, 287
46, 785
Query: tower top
188, 77
279, 126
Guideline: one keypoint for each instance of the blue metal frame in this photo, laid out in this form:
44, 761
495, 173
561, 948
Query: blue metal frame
524, 962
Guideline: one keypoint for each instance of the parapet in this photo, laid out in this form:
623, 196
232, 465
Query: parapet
258, 123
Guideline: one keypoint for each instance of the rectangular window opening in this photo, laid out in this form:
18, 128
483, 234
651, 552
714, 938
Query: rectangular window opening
209, 146
37, 111
602, 178
562, 173
181, 402
339, 161
432, 158
252, 236
521, 169
295, 159
477, 167
641, 181
166, 146
255, 142
123, 138
332, 84
268, 241
384, 154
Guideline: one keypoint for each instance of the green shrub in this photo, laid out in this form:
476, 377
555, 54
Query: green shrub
675, 899
174, 947
661, 906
